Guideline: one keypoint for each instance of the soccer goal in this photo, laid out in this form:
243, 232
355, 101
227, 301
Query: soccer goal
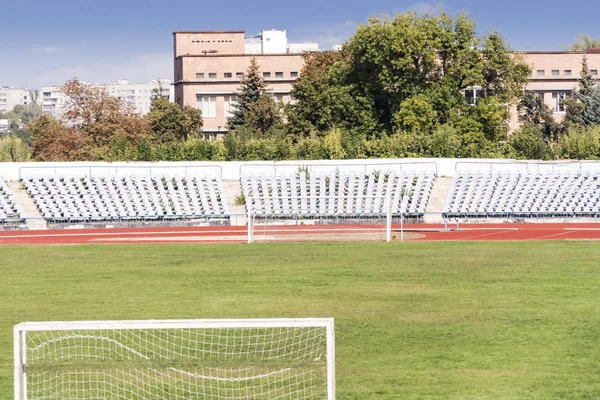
318, 218
175, 359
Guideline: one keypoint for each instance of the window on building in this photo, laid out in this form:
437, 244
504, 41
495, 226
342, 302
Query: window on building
227, 75
472, 95
294, 74
557, 101
278, 74
200, 75
208, 106
540, 72
594, 71
539, 95
229, 106
555, 72
266, 74
567, 72
239, 74
212, 75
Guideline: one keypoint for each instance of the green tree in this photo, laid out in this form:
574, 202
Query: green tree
584, 42
584, 108
409, 73
168, 123
528, 143
264, 114
251, 88
325, 98
533, 111
13, 149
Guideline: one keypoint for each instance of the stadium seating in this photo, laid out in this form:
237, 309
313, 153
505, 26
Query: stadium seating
111, 198
336, 193
523, 194
10, 214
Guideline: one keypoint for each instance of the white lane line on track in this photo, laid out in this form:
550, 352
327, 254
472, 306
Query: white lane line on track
174, 239
548, 236
487, 229
582, 229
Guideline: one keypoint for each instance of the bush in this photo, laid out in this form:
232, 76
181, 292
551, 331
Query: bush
528, 143
580, 144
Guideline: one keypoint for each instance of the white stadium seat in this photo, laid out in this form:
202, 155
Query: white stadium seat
523, 194
336, 193
110, 198
10, 215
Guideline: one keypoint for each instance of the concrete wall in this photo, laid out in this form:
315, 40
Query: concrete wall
231, 170
197, 43
283, 69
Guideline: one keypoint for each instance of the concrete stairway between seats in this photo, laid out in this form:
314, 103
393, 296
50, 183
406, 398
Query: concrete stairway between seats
238, 213
33, 218
437, 200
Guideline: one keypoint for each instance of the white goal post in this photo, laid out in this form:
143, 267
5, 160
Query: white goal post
320, 218
175, 359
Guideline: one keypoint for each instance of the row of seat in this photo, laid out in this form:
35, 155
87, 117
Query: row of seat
9, 212
338, 193
492, 194
306, 193
104, 198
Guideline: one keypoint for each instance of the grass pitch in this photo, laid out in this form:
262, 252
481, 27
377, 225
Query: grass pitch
413, 320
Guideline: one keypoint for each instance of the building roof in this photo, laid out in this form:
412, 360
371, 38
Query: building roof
594, 50
207, 32
222, 55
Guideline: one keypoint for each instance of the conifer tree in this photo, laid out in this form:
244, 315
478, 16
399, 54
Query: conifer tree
250, 90
588, 111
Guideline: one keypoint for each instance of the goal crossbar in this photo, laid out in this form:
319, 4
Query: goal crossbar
245, 340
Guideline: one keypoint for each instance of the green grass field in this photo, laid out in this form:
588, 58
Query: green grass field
413, 320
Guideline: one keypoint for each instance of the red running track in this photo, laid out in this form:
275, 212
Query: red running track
237, 234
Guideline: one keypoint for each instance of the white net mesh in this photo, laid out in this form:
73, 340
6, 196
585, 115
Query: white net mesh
198, 363
323, 219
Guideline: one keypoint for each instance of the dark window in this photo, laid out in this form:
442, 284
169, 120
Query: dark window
227, 74
278, 74
294, 74
212, 75
200, 75
266, 74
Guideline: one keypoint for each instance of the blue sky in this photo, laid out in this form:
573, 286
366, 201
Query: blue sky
48, 42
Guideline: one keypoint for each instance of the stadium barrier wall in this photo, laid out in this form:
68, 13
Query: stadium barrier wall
241, 220
231, 169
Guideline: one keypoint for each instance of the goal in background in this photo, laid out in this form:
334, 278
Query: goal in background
176, 359
319, 218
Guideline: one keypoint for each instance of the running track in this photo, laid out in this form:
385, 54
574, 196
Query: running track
234, 234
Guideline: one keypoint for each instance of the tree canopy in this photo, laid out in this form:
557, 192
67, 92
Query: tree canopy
408, 74
584, 42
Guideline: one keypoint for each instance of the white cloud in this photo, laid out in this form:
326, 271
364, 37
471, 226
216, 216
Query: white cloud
48, 49
422, 8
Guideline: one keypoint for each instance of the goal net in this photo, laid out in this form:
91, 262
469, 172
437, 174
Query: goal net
178, 359
319, 218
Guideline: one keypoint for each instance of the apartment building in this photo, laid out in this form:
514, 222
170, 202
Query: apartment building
139, 95
554, 77
10, 97
210, 64
135, 95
